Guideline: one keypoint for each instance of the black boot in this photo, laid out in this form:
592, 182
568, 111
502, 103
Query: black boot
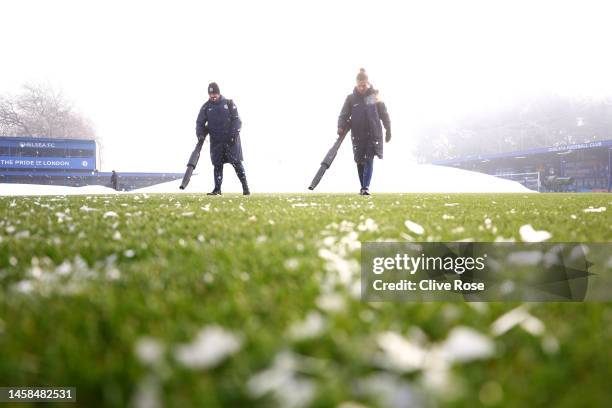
242, 177
218, 174
245, 187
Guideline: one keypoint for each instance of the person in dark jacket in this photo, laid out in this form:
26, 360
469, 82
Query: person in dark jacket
219, 118
362, 114
114, 180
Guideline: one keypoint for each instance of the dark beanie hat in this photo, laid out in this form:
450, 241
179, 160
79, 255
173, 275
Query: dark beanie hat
362, 76
213, 88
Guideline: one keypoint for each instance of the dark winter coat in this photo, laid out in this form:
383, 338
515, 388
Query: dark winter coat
114, 180
362, 114
222, 122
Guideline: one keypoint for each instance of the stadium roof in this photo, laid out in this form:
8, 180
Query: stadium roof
529, 152
39, 139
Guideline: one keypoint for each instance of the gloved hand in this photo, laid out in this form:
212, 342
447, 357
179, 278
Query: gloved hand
388, 135
233, 138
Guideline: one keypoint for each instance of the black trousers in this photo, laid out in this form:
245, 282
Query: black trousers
238, 167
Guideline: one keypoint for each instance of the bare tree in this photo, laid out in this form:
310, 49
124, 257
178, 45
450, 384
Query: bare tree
42, 111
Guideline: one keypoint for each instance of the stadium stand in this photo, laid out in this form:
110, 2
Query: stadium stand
65, 162
583, 167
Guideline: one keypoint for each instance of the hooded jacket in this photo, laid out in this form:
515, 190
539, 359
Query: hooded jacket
362, 114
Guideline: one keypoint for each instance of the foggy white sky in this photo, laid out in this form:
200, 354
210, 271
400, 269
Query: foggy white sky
139, 69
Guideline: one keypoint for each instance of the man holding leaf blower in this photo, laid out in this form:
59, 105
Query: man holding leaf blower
219, 118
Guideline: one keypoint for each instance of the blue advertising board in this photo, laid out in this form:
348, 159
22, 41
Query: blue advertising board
29, 153
64, 163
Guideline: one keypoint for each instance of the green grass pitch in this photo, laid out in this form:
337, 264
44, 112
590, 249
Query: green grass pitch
191, 300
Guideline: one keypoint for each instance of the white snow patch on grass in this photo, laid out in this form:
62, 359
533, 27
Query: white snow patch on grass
529, 234
148, 350
465, 344
312, 326
414, 227
283, 382
518, 317
400, 353
212, 345
594, 210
